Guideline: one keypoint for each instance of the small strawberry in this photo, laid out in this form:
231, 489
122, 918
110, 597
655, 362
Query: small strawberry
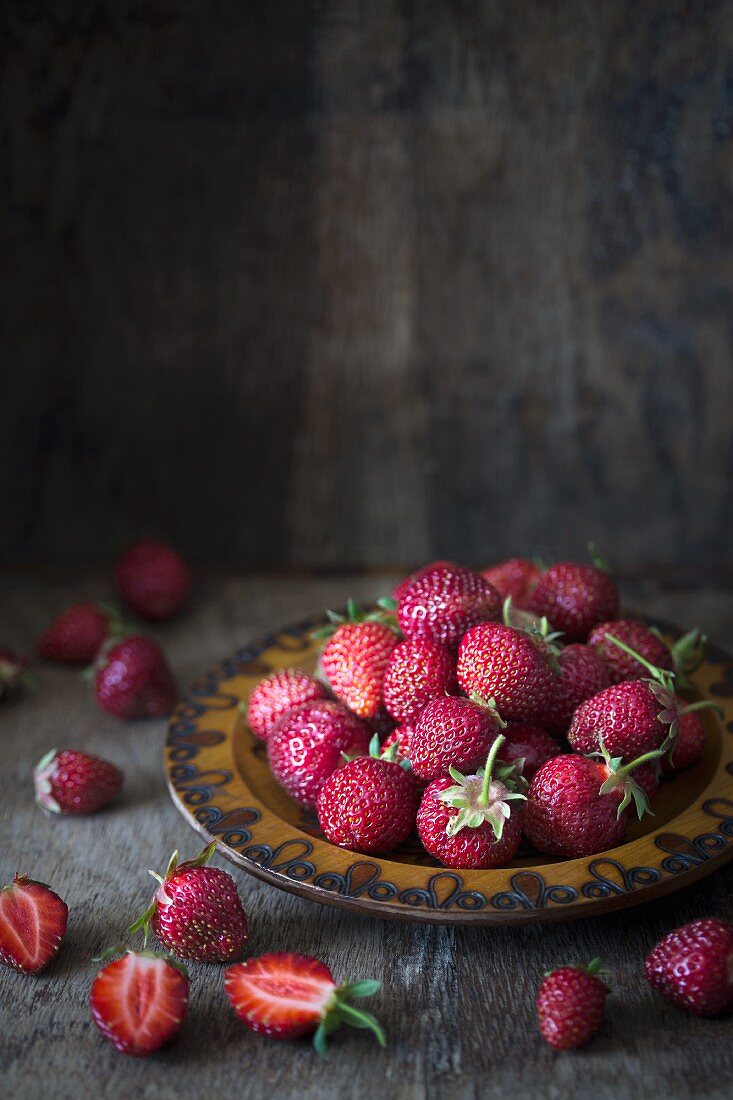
355, 658
571, 1005
369, 804
76, 635
575, 597
153, 580
310, 742
582, 675
510, 666
276, 695
32, 924
516, 577
693, 967
196, 912
442, 603
577, 806
470, 821
139, 1001
13, 673
452, 732
288, 996
689, 746
417, 671
637, 636
71, 782
133, 680
530, 744
401, 739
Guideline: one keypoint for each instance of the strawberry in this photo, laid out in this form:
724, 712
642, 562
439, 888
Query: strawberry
405, 584
417, 671
153, 580
71, 782
139, 1001
571, 1005
577, 806
310, 742
632, 717
32, 924
442, 603
369, 804
470, 821
637, 636
287, 996
693, 967
516, 577
133, 680
13, 673
575, 597
510, 666
689, 746
582, 675
452, 732
277, 694
355, 658
196, 912
401, 739
530, 744
76, 635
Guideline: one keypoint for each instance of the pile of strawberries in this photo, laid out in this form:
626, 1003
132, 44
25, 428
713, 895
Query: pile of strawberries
486, 711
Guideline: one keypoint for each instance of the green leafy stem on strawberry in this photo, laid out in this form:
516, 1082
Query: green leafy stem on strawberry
483, 797
356, 614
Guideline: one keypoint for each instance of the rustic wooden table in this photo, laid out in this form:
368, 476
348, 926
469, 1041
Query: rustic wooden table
457, 1003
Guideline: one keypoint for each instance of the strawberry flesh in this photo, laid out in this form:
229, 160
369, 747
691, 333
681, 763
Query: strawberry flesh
139, 1002
32, 924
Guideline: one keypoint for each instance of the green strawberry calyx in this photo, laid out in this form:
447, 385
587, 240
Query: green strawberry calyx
42, 776
539, 629
356, 614
162, 897
621, 779
389, 754
339, 1011
483, 797
594, 969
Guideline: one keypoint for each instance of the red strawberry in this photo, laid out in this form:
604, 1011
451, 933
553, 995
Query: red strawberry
530, 744
32, 924
368, 805
13, 672
577, 806
693, 967
469, 821
637, 636
133, 680
689, 746
571, 1005
444, 602
452, 732
139, 1001
509, 666
76, 636
288, 996
153, 580
401, 739
71, 782
276, 695
355, 658
516, 577
310, 742
575, 597
416, 673
196, 912
582, 675
405, 584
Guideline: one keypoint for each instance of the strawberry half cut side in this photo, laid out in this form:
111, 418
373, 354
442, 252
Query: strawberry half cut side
32, 924
139, 1001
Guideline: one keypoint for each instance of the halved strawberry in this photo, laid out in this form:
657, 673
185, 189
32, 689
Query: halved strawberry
286, 996
139, 1001
32, 924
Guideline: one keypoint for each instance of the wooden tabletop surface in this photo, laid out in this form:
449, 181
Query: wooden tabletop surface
457, 1003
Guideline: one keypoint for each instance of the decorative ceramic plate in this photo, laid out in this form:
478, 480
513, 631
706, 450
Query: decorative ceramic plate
219, 779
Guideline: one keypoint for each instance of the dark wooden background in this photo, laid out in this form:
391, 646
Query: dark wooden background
340, 283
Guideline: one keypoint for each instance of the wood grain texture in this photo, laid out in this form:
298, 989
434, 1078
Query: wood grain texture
401, 280
457, 1003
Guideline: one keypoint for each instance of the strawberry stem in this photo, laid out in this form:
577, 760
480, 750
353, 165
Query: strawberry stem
484, 796
665, 678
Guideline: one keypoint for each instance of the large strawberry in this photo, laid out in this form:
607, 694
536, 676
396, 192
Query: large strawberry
369, 804
72, 782
196, 912
443, 602
139, 1001
133, 680
310, 742
473, 821
575, 597
417, 671
516, 578
355, 658
571, 1005
32, 924
153, 580
287, 996
582, 675
529, 744
452, 732
277, 694
693, 967
77, 634
509, 666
